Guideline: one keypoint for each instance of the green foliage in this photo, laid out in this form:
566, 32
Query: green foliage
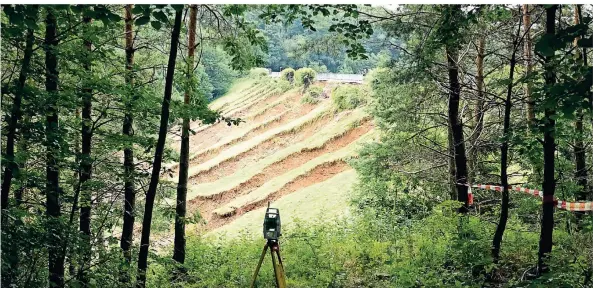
312, 95
287, 74
315, 91
258, 73
283, 85
305, 75
439, 249
346, 97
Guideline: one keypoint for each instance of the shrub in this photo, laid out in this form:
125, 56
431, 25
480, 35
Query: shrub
257, 73
312, 95
287, 74
347, 97
308, 99
315, 91
283, 85
305, 74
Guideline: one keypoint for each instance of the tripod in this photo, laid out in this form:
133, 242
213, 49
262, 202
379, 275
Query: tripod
276, 262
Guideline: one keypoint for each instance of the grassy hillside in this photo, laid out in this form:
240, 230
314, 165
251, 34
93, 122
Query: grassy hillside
288, 152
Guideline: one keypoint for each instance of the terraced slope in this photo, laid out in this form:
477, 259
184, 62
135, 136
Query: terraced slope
291, 154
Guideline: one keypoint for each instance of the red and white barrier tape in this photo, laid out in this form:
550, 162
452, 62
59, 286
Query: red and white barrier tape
564, 205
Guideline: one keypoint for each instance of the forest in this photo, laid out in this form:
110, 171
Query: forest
137, 139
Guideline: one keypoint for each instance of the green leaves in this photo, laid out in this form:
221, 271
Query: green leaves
142, 20
158, 12
156, 25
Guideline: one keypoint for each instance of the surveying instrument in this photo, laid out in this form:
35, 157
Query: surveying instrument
271, 234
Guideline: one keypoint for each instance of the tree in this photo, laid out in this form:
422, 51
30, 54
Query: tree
549, 145
579, 145
11, 167
86, 161
53, 191
504, 152
528, 48
451, 50
180, 208
128, 123
158, 154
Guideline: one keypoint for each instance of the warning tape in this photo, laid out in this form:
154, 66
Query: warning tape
564, 205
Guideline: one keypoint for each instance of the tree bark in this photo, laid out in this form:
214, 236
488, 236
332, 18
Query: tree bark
549, 185
86, 164
479, 109
55, 254
180, 209
586, 64
15, 115
527, 54
11, 167
579, 146
504, 152
457, 126
158, 155
451, 152
129, 189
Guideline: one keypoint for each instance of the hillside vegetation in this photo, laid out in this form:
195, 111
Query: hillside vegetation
141, 144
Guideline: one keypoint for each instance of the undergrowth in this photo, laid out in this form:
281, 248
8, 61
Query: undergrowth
441, 249
346, 97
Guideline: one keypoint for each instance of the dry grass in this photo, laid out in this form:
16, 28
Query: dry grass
316, 141
326, 200
277, 183
243, 147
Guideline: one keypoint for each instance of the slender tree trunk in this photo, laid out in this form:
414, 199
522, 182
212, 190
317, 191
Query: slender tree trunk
527, 54
452, 188
158, 155
180, 209
579, 146
479, 109
86, 165
55, 254
549, 185
10, 167
504, 152
129, 190
589, 94
456, 125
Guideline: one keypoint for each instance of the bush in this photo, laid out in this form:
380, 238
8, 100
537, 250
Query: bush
283, 85
305, 74
308, 99
315, 91
287, 74
347, 97
257, 73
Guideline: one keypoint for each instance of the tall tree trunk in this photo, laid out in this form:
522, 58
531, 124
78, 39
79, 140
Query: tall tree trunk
180, 209
10, 167
586, 64
158, 155
479, 109
55, 254
504, 154
579, 146
549, 186
129, 190
86, 164
451, 150
456, 124
527, 54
